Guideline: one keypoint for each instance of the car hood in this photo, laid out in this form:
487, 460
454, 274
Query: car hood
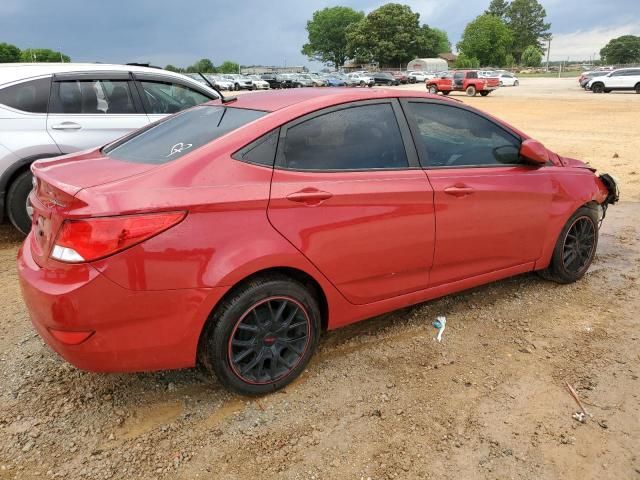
74, 172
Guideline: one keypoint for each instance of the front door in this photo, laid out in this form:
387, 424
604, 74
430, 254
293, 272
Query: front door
492, 210
348, 193
88, 111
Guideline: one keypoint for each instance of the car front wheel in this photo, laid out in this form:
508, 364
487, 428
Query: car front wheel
575, 248
597, 88
471, 91
432, 89
516, 83
17, 197
262, 337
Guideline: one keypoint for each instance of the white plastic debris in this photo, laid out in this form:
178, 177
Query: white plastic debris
440, 323
580, 416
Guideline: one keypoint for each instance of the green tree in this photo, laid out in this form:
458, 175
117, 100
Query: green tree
624, 49
467, 62
229, 67
509, 61
392, 35
203, 65
498, 8
327, 34
526, 18
441, 43
9, 53
532, 56
43, 55
488, 39
172, 68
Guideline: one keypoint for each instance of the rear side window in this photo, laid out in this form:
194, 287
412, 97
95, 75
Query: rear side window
93, 97
166, 97
180, 134
31, 96
356, 138
454, 137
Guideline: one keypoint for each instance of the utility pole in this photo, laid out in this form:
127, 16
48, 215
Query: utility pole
548, 49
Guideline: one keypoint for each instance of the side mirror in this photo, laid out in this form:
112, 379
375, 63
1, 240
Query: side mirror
534, 152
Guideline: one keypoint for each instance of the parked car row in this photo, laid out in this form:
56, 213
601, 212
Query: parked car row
622, 79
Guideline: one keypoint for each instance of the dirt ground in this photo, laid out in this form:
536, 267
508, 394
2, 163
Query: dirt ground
381, 399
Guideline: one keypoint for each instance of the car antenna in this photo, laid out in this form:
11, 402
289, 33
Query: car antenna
223, 99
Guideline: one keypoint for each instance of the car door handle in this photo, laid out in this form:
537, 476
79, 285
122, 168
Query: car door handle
458, 190
66, 126
309, 196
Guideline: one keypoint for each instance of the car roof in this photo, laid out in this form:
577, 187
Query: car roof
11, 72
273, 100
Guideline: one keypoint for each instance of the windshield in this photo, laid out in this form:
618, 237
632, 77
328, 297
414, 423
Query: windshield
180, 134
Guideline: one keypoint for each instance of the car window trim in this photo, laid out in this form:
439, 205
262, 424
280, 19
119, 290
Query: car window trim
55, 91
407, 141
91, 75
422, 153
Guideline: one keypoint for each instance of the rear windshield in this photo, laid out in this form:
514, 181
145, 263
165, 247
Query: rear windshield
180, 134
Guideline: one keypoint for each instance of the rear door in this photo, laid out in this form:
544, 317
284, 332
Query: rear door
90, 109
492, 209
347, 191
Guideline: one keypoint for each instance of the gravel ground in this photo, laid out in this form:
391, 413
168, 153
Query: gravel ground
381, 399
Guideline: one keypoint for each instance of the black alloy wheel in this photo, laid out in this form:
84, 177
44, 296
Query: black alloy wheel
578, 245
597, 88
575, 247
269, 340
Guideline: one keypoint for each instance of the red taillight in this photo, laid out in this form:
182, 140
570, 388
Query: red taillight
94, 238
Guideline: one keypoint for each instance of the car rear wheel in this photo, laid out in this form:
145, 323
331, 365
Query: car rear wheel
262, 337
597, 88
432, 89
516, 83
637, 87
471, 91
17, 197
501, 83
575, 248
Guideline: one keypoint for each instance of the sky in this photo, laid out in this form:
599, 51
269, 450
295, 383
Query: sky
260, 32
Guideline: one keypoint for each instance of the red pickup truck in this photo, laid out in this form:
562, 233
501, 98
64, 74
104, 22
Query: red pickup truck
466, 81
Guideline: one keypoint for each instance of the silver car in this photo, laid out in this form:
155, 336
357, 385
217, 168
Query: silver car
47, 110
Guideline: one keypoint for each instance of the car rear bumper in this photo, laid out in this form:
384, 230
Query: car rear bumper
129, 330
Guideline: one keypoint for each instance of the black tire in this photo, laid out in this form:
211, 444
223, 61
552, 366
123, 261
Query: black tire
17, 201
484, 94
471, 91
236, 87
597, 87
445, 92
432, 89
562, 269
637, 88
244, 311
501, 84
606, 90
516, 83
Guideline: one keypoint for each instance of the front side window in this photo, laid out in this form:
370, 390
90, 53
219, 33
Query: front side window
180, 134
93, 97
167, 97
355, 138
31, 96
454, 137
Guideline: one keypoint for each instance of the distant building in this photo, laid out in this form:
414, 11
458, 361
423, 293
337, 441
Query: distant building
427, 65
450, 58
259, 70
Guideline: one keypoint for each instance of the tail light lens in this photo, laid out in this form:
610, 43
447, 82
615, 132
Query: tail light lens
95, 238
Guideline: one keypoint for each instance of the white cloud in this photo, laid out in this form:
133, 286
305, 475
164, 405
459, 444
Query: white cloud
584, 44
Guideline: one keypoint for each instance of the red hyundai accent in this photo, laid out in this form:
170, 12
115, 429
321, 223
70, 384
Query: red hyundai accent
234, 234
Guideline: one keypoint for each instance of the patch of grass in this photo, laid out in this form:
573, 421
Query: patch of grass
550, 74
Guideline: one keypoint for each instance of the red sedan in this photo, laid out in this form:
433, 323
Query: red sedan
234, 234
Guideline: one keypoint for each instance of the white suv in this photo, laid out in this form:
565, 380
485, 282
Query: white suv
51, 109
621, 79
